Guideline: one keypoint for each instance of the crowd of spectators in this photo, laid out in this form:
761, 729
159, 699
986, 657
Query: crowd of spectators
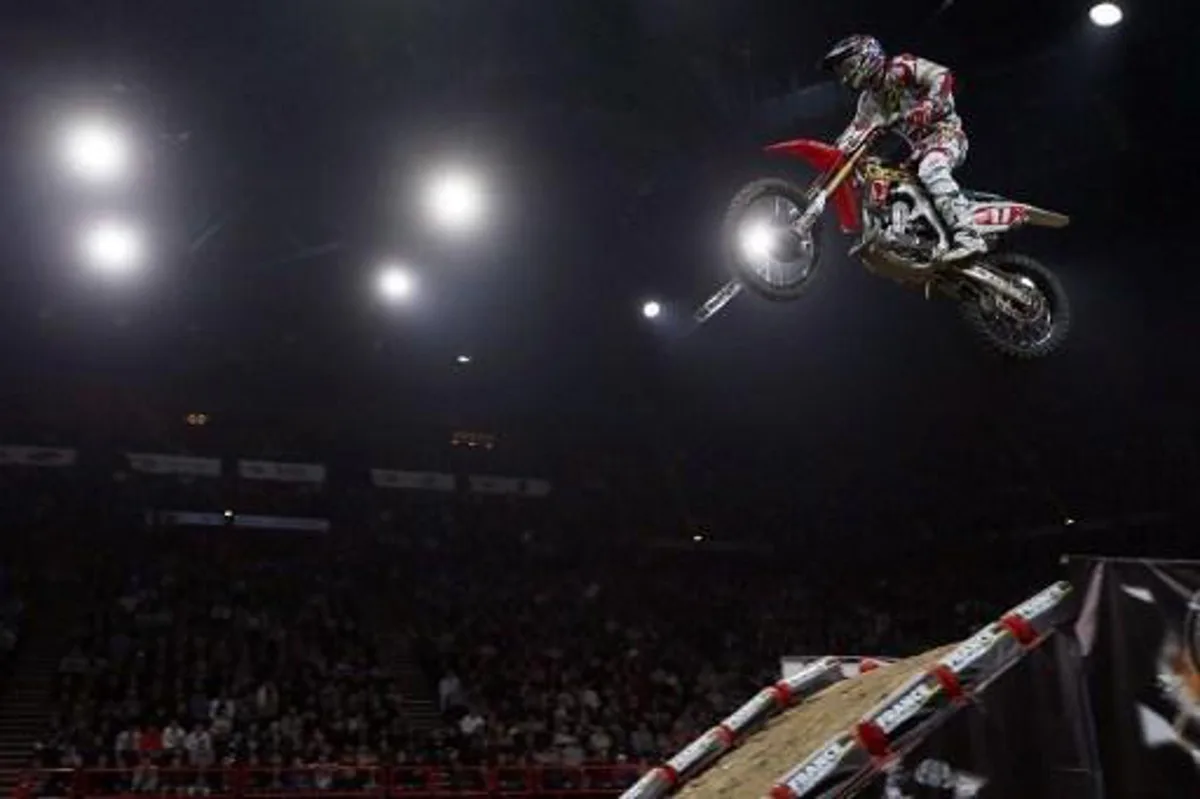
634, 654
186, 664
193, 659
542, 639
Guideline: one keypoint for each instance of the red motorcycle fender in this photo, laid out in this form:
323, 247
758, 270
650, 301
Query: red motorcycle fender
824, 158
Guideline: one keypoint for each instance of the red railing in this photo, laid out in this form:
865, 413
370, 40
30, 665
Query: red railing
334, 782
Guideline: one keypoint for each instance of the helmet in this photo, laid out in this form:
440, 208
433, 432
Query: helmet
858, 61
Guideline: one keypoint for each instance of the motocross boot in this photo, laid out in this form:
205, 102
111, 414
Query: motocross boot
965, 240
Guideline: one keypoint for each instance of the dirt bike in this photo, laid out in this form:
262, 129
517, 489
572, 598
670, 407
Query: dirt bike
773, 227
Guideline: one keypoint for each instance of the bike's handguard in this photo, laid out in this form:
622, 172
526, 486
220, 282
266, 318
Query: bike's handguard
824, 158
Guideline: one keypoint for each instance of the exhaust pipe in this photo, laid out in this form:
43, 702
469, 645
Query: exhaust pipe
991, 280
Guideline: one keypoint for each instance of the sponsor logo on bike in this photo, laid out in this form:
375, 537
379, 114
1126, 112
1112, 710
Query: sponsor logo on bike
1000, 215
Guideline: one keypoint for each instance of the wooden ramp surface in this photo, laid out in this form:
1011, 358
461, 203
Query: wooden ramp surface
751, 770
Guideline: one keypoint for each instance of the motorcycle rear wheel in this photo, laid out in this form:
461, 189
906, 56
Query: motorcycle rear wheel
1046, 330
762, 251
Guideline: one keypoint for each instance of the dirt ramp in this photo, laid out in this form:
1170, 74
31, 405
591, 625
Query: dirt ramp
750, 771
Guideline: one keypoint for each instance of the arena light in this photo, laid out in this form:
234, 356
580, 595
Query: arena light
455, 200
395, 283
651, 309
97, 151
1106, 15
113, 246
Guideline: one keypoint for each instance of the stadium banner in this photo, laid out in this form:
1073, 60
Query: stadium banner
184, 518
299, 523
850, 666
153, 463
1028, 733
281, 472
413, 481
14, 455
1139, 630
512, 486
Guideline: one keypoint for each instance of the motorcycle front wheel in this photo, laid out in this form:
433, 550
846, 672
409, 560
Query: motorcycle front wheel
1028, 332
766, 250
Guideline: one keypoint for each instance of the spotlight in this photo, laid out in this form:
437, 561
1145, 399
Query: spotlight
463, 359
651, 310
113, 247
455, 201
96, 151
396, 283
1106, 15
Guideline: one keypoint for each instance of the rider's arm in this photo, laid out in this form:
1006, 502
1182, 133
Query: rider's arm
934, 84
864, 118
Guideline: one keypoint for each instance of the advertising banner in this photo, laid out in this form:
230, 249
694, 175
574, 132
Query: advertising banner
511, 486
282, 472
184, 518
36, 456
1140, 634
412, 481
153, 463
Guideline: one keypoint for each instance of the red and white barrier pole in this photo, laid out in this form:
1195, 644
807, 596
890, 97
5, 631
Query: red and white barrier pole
951, 679
709, 747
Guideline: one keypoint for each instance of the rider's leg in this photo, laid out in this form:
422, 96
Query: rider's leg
935, 169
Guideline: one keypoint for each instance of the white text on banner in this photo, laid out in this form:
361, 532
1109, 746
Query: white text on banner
417, 481
512, 486
152, 463
282, 472
183, 518
36, 456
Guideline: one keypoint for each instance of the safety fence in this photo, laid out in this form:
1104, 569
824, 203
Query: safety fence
333, 782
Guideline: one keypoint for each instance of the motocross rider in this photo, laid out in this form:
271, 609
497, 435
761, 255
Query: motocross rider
916, 98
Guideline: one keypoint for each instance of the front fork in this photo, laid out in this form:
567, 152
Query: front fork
802, 226
819, 197
817, 200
